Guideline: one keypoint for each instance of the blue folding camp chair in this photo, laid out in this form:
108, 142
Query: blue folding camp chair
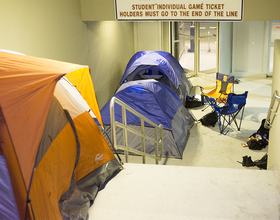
228, 113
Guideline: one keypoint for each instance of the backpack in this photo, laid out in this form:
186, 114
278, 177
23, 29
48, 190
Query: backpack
254, 144
209, 119
192, 102
257, 142
259, 139
263, 131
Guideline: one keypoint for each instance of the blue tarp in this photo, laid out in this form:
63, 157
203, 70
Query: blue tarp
151, 98
8, 206
159, 61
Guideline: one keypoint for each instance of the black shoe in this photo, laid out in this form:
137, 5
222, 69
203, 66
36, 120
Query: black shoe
262, 165
244, 161
249, 162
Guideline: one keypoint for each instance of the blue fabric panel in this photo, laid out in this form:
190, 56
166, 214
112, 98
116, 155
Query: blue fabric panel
225, 78
152, 70
151, 98
8, 206
161, 59
173, 62
234, 103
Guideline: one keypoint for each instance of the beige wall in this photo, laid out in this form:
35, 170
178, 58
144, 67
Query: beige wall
50, 29
111, 47
54, 29
151, 35
98, 10
261, 10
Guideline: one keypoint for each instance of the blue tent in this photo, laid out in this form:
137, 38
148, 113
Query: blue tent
158, 103
8, 206
159, 65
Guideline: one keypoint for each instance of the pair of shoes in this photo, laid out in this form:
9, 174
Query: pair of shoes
247, 161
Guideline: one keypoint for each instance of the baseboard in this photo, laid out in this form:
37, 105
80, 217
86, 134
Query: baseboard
249, 75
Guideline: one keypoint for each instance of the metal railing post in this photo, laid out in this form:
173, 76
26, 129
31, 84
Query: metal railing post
157, 141
125, 133
112, 119
268, 122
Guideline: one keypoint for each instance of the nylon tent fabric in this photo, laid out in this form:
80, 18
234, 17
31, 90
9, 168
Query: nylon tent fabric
6, 149
163, 60
158, 103
48, 176
17, 85
36, 148
159, 65
81, 80
8, 208
149, 98
173, 62
86, 128
71, 99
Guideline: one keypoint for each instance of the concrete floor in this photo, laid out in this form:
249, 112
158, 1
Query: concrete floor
208, 182
145, 191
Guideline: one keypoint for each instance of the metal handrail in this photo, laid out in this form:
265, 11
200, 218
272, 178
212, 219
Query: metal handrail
268, 122
158, 140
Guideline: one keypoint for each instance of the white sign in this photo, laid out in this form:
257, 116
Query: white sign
208, 10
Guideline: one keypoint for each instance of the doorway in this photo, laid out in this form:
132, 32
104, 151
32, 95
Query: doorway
195, 45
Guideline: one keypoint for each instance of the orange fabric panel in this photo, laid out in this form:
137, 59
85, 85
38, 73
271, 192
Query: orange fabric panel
229, 88
52, 177
26, 89
26, 117
95, 150
18, 185
81, 79
19, 64
215, 92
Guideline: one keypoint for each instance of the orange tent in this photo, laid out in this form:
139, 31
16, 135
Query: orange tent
52, 146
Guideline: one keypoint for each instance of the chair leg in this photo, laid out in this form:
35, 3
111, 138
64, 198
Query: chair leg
222, 125
233, 118
241, 119
208, 101
205, 107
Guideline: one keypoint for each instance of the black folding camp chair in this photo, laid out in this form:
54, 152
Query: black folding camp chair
229, 112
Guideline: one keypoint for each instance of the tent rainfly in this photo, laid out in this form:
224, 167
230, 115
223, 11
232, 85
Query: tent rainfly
161, 66
56, 156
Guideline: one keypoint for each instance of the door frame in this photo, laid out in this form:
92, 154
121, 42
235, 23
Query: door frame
175, 49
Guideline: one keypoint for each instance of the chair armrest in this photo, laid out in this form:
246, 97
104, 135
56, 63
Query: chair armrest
195, 90
210, 100
209, 87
